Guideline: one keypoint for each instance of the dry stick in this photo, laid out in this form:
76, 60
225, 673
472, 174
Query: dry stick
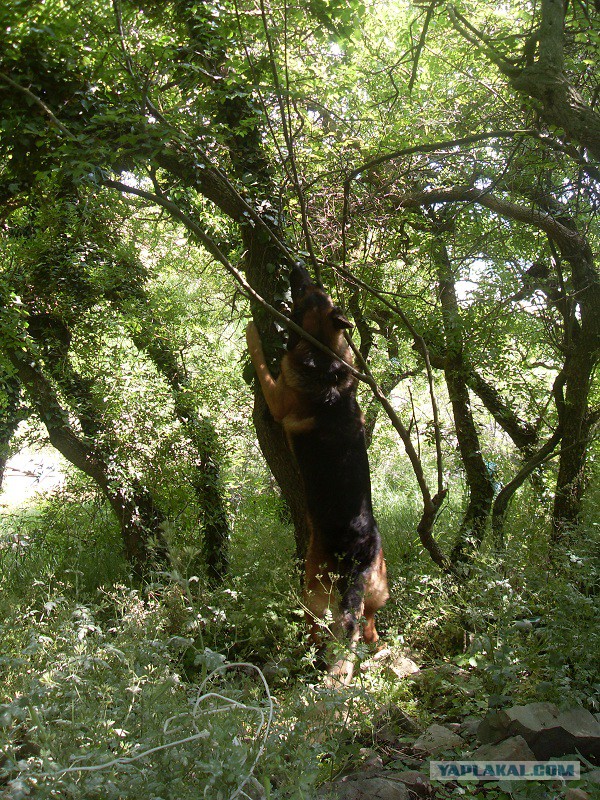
431, 147
431, 505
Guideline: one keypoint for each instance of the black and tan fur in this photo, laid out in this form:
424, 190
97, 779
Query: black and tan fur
314, 399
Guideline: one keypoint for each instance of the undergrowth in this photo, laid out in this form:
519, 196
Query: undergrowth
97, 673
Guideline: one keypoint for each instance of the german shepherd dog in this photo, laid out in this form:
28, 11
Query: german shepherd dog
314, 398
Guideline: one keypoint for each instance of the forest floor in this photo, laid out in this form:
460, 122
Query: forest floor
174, 690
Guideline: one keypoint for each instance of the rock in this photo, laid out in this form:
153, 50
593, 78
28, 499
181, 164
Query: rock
548, 731
576, 794
371, 759
392, 722
497, 725
400, 667
513, 749
380, 787
469, 726
593, 776
385, 652
437, 738
395, 664
453, 726
418, 783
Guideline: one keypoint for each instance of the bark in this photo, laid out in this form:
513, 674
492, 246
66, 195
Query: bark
523, 434
12, 413
53, 338
582, 346
505, 495
266, 268
263, 261
139, 518
545, 81
479, 481
266, 264
362, 325
575, 424
206, 480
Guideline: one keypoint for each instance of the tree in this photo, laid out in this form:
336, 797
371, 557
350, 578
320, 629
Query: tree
275, 136
64, 262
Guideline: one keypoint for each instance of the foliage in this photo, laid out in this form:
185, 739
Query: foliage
411, 157
107, 665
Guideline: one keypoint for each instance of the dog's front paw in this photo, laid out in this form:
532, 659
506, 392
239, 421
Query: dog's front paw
252, 336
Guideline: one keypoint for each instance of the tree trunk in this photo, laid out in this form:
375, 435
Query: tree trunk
545, 81
582, 346
582, 332
574, 421
479, 481
266, 270
139, 518
133, 304
11, 413
506, 493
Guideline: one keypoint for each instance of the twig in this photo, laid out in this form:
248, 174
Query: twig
40, 103
421, 44
421, 347
289, 143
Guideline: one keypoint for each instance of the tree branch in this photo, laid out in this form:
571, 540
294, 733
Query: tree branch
289, 144
40, 104
422, 349
504, 496
570, 242
421, 44
544, 81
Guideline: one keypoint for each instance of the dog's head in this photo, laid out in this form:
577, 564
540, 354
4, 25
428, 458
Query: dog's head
314, 311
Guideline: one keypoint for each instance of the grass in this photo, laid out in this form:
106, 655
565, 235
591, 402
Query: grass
94, 670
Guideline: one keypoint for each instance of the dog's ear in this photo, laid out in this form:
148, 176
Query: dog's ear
339, 320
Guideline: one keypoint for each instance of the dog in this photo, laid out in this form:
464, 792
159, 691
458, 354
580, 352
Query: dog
314, 399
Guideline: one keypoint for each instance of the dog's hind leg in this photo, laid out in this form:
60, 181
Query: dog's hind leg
347, 631
341, 671
376, 594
